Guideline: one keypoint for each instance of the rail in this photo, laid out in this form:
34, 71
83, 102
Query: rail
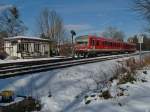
29, 67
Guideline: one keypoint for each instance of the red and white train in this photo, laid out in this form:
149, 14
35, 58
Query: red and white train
89, 45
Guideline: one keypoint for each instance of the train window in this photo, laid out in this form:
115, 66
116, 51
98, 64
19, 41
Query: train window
85, 43
92, 43
79, 42
97, 43
110, 43
107, 43
114, 44
82, 43
104, 43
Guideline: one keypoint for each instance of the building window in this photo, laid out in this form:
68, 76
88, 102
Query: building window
20, 47
27, 47
37, 47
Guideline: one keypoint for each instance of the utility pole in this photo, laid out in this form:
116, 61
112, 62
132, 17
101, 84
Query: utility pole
73, 33
140, 41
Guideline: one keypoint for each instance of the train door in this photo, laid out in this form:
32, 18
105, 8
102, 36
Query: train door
93, 43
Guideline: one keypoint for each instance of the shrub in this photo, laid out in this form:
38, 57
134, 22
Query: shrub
106, 94
146, 60
3, 55
88, 101
128, 77
27, 105
117, 71
132, 65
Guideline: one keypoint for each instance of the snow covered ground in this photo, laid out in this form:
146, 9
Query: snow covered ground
136, 99
66, 85
24, 60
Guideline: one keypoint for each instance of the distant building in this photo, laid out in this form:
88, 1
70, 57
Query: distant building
27, 47
130, 40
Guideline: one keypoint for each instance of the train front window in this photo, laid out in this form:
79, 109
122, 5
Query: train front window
82, 43
82, 40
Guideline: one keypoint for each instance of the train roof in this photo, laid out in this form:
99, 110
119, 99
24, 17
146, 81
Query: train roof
101, 38
83, 37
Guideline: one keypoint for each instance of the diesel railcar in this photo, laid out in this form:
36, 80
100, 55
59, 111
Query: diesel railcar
89, 45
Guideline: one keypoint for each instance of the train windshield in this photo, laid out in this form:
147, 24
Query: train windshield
82, 43
82, 40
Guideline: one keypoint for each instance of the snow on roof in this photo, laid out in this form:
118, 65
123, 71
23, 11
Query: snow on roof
26, 37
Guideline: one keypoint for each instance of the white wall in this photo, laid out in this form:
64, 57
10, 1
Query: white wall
11, 49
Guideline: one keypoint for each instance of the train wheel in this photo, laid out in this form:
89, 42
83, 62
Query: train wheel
85, 55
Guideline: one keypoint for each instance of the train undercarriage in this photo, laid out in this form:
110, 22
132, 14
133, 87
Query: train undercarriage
95, 54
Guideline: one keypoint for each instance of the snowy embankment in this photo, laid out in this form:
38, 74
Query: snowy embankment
26, 60
67, 88
136, 98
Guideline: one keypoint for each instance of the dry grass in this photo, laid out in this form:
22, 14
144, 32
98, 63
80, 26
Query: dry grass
146, 60
117, 71
123, 73
132, 67
127, 77
129, 74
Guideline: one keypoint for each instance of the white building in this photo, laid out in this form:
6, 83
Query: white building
27, 47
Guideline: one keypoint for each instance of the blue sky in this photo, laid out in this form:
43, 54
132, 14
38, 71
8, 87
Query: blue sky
83, 16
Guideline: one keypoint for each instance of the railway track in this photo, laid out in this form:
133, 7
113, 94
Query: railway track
29, 67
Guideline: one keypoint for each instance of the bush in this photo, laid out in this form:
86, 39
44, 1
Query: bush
117, 71
146, 61
133, 65
27, 105
128, 77
88, 101
3, 55
106, 94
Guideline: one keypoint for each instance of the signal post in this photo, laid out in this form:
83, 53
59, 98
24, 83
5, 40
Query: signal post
140, 41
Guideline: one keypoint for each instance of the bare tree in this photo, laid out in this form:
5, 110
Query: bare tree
112, 32
143, 8
2, 35
50, 25
10, 22
146, 41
